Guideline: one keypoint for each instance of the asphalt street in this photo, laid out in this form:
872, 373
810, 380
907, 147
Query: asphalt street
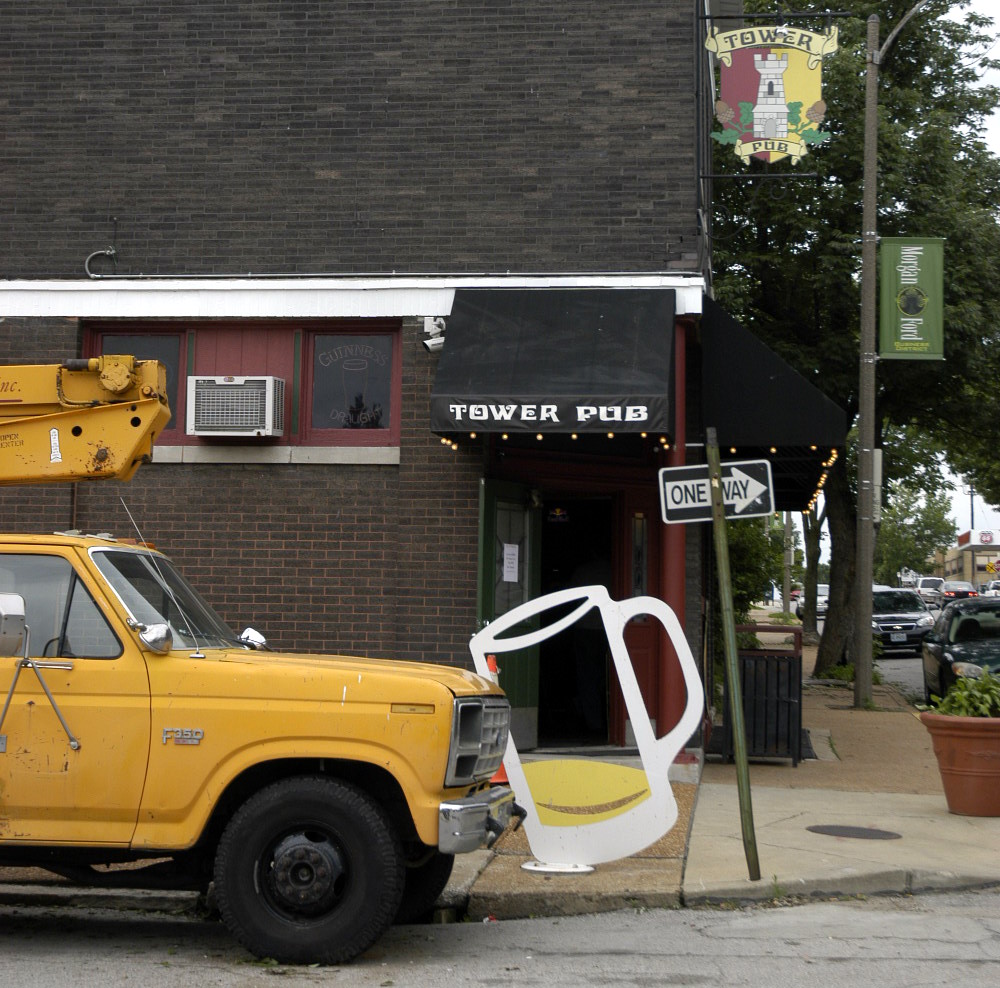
892, 941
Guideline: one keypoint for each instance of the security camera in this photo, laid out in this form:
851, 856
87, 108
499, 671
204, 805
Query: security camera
434, 343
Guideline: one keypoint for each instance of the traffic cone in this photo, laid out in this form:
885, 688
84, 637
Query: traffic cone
500, 778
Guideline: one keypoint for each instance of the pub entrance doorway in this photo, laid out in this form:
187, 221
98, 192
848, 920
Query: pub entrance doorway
564, 692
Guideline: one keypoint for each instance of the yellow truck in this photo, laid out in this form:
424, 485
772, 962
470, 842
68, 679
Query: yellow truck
145, 744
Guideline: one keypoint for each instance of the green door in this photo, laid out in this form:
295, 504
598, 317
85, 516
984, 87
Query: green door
509, 574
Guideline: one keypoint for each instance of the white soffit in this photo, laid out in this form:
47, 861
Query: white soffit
296, 298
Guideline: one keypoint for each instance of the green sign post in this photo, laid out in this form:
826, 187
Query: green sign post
911, 278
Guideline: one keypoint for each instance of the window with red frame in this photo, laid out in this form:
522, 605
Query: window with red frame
343, 379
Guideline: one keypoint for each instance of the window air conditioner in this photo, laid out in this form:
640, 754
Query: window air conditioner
235, 406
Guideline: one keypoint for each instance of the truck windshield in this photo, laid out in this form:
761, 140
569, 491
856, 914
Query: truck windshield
153, 592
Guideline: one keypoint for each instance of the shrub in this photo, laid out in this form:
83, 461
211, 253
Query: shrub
971, 697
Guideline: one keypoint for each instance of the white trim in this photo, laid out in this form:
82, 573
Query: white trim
278, 455
297, 298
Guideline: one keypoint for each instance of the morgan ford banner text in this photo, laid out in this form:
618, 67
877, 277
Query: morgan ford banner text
911, 278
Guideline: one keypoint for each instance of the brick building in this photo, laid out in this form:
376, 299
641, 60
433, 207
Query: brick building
308, 193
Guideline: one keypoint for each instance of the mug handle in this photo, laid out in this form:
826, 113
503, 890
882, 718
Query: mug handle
662, 750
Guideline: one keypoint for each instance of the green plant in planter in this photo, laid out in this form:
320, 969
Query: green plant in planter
970, 697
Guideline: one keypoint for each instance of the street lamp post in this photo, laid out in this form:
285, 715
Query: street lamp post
866, 382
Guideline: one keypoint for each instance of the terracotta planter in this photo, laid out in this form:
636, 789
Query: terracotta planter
968, 756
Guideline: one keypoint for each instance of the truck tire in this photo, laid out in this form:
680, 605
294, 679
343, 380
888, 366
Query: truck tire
424, 883
309, 870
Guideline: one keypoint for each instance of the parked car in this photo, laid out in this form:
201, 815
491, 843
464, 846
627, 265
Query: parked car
965, 641
900, 619
929, 588
957, 590
822, 595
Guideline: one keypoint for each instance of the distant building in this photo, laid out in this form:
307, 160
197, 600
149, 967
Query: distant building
974, 558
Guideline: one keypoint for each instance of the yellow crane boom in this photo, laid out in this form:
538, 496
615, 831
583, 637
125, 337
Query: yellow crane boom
83, 419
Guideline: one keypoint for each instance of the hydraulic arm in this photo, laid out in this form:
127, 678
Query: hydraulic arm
87, 419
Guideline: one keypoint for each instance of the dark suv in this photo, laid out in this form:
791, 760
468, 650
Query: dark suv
900, 620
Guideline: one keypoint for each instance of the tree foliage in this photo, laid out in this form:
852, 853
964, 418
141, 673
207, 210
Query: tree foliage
755, 562
787, 252
914, 526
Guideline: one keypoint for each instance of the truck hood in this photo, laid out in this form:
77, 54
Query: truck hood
460, 682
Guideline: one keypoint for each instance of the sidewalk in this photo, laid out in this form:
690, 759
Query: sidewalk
874, 788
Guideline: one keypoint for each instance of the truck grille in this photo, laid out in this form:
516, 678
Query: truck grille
479, 730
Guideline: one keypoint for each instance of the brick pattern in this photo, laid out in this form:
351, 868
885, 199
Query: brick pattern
308, 136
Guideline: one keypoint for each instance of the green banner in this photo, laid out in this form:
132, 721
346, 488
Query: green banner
911, 316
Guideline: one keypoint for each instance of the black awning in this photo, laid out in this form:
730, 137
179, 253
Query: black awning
757, 402
556, 361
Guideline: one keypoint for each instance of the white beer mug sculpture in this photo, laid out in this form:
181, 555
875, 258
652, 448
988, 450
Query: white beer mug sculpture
641, 808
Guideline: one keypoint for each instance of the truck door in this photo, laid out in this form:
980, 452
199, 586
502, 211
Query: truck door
74, 740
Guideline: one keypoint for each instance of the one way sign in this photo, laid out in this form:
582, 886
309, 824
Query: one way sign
747, 492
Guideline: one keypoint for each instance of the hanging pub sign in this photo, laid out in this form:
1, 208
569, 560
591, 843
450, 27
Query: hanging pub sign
911, 279
770, 101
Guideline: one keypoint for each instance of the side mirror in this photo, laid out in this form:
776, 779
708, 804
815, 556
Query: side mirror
11, 624
157, 637
253, 638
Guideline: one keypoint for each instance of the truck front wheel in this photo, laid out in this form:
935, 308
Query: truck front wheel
424, 884
309, 870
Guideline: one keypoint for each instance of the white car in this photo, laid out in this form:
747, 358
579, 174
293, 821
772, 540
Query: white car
992, 589
822, 595
929, 588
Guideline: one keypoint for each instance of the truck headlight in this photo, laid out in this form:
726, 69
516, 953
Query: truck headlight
479, 729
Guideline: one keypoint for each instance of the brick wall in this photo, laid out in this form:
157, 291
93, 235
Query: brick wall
309, 136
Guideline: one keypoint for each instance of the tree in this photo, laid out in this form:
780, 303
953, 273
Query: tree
755, 562
812, 528
914, 526
786, 254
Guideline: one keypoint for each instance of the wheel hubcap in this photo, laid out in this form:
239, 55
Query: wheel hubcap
306, 874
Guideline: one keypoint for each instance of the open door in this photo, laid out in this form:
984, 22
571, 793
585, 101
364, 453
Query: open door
509, 574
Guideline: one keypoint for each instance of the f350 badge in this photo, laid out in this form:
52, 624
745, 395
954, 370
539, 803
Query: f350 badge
183, 735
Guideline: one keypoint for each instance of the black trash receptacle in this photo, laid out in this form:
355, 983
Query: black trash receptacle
771, 684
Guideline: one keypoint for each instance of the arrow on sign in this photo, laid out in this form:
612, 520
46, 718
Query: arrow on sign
741, 490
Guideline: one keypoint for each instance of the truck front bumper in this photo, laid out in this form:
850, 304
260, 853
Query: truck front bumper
470, 822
